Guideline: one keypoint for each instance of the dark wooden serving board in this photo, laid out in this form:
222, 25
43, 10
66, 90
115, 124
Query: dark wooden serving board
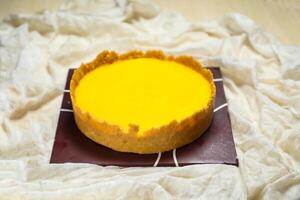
215, 146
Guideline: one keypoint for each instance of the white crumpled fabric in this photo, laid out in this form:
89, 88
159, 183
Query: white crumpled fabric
262, 85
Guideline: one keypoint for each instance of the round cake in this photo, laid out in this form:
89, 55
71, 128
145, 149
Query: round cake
142, 102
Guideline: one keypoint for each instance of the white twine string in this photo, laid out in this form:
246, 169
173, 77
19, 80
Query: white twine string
157, 159
66, 110
220, 107
175, 158
218, 79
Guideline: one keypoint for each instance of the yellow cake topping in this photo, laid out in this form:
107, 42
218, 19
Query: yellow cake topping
146, 92
142, 102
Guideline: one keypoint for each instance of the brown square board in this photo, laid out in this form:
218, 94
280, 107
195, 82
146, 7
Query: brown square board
215, 146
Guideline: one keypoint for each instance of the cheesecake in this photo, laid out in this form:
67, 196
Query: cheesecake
142, 102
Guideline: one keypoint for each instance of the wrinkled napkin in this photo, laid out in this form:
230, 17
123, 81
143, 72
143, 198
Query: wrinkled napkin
262, 85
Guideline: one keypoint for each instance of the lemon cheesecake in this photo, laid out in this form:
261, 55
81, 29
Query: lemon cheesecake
142, 102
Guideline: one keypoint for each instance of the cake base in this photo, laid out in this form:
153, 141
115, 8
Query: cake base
215, 146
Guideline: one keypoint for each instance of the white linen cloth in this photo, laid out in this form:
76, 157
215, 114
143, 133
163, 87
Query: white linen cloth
262, 85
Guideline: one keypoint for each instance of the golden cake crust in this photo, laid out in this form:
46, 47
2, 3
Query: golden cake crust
168, 137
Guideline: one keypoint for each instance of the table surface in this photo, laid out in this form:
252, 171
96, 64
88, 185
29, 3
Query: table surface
280, 17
